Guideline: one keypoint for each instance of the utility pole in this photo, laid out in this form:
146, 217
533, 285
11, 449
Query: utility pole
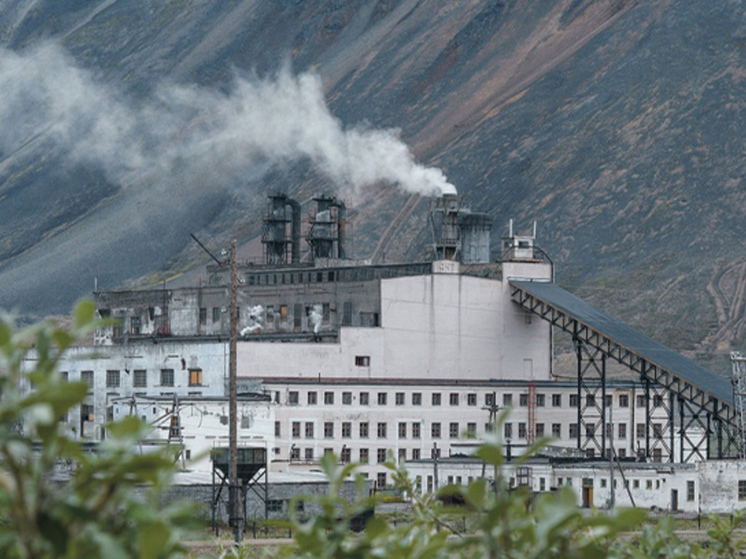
234, 500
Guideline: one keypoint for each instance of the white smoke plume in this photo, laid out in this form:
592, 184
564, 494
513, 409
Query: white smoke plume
315, 317
256, 320
44, 94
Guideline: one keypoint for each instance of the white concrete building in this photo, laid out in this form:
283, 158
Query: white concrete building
409, 359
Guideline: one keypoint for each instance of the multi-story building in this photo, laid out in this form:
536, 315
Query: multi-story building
410, 361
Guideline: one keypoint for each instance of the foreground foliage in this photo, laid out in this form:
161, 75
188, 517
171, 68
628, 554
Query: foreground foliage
95, 512
511, 524
92, 511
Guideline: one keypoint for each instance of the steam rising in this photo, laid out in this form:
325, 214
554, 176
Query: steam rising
43, 94
255, 326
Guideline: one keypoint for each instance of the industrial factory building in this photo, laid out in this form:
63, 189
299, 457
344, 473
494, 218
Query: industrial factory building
406, 361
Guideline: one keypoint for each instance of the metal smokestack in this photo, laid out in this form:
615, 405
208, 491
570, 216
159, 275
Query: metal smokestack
475, 237
295, 231
341, 229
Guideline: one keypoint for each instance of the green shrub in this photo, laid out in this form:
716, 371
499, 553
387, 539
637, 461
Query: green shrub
94, 513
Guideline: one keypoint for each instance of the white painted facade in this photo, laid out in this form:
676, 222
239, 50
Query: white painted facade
447, 347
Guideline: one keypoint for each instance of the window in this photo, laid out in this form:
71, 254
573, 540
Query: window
309, 455
112, 379
507, 400
381, 480
167, 377
381, 455
346, 398
573, 430
202, 316
539, 429
140, 380
622, 452
435, 430
312, 398
453, 430
657, 401
328, 429
648, 484
381, 430
382, 397
657, 455
523, 400
540, 400
346, 313
640, 400
640, 431
416, 398
296, 429
690, 490
274, 505
346, 429
453, 399
623, 400
574, 400
364, 399
399, 398
590, 400
135, 325
508, 430
434, 453
489, 399
608, 400
590, 430
346, 455
416, 455
522, 432
309, 430
622, 430
416, 430
471, 399
364, 430
362, 361
329, 398
278, 428
402, 455
557, 430
471, 430
294, 454
556, 400
216, 314
364, 456
195, 377
64, 376
293, 398
436, 399
402, 430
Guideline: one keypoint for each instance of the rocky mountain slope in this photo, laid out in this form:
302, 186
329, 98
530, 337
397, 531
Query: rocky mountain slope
615, 124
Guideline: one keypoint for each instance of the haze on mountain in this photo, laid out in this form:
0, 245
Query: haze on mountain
615, 124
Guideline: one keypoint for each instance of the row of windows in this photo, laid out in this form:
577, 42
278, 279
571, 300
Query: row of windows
405, 430
414, 430
270, 313
455, 398
140, 377
363, 454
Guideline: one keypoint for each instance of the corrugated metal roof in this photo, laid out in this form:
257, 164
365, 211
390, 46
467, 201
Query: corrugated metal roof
629, 338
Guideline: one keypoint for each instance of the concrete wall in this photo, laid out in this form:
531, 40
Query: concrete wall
719, 482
